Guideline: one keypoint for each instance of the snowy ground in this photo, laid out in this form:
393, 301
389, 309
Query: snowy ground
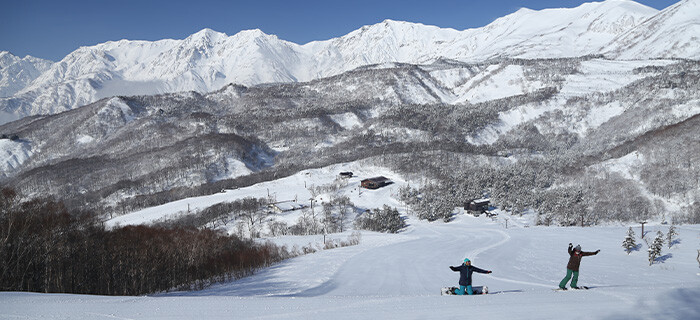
400, 275
294, 188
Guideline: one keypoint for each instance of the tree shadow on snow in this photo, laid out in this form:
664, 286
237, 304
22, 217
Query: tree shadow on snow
313, 292
663, 258
675, 242
636, 247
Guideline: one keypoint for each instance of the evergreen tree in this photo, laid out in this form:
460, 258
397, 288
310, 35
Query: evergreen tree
629, 243
656, 246
386, 219
671, 234
435, 204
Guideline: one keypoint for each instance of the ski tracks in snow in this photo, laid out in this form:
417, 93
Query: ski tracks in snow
476, 252
506, 238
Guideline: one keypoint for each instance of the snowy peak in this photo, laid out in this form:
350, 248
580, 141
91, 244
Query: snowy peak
397, 28
388, 41
205, 38
617, 16
561, 32
252, 34
673, 33
207, 34
207, 60
7, 58
593, 13
16, 73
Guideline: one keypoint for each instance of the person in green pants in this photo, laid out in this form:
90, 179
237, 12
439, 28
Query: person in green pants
575, 255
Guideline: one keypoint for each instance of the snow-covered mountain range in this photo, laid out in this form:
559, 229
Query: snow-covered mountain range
208, 60
623, 120
392, 88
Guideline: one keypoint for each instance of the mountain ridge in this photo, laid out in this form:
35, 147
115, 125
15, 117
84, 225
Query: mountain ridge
583, 112
668, 34
207, 60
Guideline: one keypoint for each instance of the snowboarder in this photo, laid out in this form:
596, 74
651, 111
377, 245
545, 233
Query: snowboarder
572, 267
465, 276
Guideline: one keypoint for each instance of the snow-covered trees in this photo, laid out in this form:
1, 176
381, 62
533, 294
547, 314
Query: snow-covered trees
278, 228
386, 219
344, 207
434, 208
549, 163
693, 212
330, 221
251, 212
629, 243
306, 224
429, 203
438, 201
328, 217
655, 247
672, 233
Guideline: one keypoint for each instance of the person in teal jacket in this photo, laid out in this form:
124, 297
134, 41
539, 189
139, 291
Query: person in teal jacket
465, 276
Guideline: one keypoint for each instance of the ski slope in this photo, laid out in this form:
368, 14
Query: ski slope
390, 276
399, 276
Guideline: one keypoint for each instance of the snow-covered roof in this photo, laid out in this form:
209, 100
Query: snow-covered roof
288, 206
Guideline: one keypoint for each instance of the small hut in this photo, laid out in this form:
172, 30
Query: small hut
477, 206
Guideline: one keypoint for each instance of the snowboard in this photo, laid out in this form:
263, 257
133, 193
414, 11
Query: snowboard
451, 290
578, 288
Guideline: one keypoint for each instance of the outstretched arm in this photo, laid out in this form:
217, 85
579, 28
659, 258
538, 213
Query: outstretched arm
571, 249
590, 253
454, 268
479, 270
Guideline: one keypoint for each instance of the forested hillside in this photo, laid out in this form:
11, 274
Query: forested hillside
532, 134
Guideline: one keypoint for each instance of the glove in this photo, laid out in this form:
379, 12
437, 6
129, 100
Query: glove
489, 271
596, 252
571, 245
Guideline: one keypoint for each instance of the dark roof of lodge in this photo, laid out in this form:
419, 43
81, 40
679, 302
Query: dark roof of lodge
377, 179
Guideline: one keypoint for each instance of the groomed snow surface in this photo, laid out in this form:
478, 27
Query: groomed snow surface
399, 276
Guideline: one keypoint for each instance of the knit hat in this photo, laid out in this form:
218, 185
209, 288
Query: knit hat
578, 247
466, 260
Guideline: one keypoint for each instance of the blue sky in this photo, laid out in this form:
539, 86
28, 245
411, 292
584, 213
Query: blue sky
51, 29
